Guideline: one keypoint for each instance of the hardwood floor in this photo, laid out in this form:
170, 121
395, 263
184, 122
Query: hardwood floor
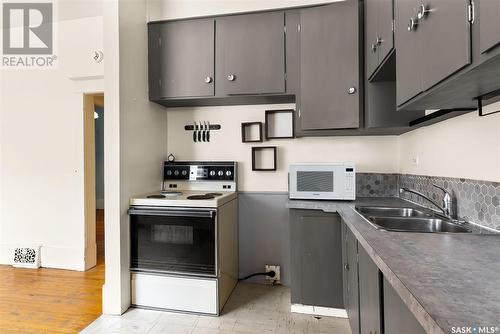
50, 300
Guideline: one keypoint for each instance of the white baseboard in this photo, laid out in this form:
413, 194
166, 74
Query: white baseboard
51, 257
319, 310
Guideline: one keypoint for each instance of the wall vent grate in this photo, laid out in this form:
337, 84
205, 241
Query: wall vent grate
27, 257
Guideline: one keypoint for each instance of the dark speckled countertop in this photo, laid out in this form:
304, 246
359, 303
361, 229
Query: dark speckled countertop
446, 280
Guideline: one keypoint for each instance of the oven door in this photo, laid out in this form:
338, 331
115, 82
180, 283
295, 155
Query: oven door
172, 240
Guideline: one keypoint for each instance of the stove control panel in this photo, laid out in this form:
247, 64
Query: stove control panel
199, 171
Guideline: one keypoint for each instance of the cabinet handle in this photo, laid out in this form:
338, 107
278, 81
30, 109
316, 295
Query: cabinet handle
374, 48
208, 80
379, 41
346, 266
422, 12
412, 25
231, 77
351, 90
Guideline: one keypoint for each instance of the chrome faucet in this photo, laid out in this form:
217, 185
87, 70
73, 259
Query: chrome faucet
445, 208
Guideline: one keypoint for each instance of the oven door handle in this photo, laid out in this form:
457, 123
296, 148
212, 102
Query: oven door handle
171, 213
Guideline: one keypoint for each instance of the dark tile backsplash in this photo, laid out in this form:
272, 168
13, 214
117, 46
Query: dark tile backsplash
376, 185
478, 201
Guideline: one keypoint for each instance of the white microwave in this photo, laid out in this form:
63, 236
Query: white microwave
328, 181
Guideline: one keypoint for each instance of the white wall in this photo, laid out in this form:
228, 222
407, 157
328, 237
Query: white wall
371, 154
467, 146
135, 139
41, 148
173, 9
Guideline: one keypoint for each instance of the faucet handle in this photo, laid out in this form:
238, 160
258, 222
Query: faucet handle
443, 189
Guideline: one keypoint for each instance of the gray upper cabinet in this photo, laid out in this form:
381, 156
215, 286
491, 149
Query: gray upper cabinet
251, 54
489, 13
409, 81
379, 36
445, 39
316, 258
397, 317
181, 59
371, 36
329, 78
433, 41
369, 294
385, 28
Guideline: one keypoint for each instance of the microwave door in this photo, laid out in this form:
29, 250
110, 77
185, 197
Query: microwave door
315, 183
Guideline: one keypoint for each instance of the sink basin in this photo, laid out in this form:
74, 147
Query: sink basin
390, 212
408, 220
413, 224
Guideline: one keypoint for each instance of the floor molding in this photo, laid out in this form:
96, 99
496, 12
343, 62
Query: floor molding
319, 310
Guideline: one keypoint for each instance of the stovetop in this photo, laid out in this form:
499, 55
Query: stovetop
193, 184
185, 198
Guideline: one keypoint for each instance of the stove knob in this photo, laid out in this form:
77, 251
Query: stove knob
229, 173
169, 172
212, 173
184, 173
220, 173
176, 173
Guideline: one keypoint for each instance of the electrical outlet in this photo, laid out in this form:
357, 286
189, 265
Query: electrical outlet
415, 160
277, 277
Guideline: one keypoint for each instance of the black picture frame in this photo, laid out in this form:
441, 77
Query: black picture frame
270, 113
246, 125
255, 150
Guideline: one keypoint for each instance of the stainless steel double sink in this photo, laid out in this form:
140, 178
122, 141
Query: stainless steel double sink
409, 220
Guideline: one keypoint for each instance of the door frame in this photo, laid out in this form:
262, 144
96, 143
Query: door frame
89, 178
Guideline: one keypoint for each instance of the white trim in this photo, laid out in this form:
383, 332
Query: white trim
319, 310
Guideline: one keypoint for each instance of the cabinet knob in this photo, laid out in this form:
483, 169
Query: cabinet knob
231, 77
374, 48
351, 90
422, 12
379, 41
346, 266
412, 25
208, 80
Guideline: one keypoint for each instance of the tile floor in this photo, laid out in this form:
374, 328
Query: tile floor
252, 309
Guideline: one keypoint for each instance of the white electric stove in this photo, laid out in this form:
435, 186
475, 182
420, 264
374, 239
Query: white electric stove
184, 239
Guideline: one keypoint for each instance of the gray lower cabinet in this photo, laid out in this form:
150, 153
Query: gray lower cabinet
251, 54
370, 295
329, 77
316, 258
181, 59
351, 285
489, 13
397, 317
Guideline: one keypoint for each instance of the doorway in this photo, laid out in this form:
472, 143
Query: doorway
93, 124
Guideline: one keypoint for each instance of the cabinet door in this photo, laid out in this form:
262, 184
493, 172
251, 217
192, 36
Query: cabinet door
371, 35
408, 59
445, 35
329, 67
316, 259
489, 13
185, 58
251, 53
352, 282
397, 317
385, 28
369, 294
